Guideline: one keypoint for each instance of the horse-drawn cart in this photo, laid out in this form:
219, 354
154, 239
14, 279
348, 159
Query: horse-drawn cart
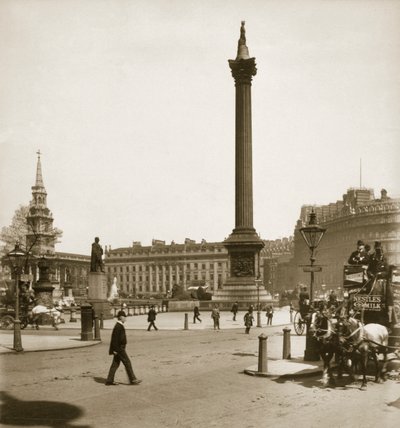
301, 318
374, 299
6, 318
33, 316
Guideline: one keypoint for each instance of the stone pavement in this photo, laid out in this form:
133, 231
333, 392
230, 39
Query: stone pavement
49, 339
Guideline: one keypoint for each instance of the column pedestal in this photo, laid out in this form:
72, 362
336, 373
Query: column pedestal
97, 294
243, 253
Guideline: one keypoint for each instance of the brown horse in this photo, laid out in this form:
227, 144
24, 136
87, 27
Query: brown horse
364, 341
325, 331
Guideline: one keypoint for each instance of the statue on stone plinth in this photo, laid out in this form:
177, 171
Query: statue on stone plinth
96, 260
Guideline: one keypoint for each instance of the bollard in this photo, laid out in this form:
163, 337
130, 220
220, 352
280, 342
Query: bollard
101, 321
72, 314
262, 353
186, 322
96, 328
286, 344
259, 319
86, 322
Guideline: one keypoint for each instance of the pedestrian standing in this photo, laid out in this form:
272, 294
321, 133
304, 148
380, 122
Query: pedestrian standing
151, 318
248, 321
270, 314
234, 310
215, 316
196, 314
117, 349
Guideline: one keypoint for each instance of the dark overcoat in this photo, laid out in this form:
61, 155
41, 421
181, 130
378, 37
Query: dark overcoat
118, 339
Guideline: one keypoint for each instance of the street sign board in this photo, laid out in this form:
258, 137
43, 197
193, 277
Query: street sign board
312, 269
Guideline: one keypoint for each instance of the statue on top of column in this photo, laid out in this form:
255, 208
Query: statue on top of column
96, 260
243, 50
242, 40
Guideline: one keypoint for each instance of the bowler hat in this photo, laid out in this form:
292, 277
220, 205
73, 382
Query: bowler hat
121, 314
359, 242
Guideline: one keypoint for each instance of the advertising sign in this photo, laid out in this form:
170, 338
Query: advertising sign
368, 302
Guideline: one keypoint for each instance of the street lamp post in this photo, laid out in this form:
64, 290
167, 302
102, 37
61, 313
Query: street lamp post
16, 257
258, 282
312, 235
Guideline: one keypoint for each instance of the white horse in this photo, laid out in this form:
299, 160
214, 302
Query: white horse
367, 340
40, 310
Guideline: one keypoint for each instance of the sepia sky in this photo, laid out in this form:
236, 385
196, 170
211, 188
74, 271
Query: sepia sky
132, 106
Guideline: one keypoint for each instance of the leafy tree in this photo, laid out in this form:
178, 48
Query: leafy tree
18, 230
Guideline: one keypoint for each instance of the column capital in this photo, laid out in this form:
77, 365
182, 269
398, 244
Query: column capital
243, 70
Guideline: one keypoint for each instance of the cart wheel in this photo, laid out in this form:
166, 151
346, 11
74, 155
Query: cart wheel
299, 324
6, 322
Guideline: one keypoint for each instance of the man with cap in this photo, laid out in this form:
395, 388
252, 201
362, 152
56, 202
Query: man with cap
378, 265
304, 301
117, 349
360, 256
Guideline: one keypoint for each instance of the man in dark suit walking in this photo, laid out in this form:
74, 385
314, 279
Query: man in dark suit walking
151, 318
117, 349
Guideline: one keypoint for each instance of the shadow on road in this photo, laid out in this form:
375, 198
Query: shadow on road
99, 379
32, 413
316, 382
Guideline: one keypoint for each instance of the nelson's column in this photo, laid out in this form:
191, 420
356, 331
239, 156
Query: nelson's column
243, 244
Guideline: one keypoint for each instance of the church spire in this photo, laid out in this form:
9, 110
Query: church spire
40, 219
39, 178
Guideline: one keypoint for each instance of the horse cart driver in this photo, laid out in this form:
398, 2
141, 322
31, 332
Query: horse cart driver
304, 302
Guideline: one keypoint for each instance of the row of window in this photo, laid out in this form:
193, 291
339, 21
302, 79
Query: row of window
143, 268
174, 278
165, 251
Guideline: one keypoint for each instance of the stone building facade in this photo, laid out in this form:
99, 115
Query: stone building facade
275, 260
358, 216
155, 269
71, 272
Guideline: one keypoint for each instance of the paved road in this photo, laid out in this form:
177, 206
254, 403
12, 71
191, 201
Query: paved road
190, 378
165, 321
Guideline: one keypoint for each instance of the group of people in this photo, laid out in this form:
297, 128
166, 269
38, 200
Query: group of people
374, 262
374, 265
376, 268
248, 317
